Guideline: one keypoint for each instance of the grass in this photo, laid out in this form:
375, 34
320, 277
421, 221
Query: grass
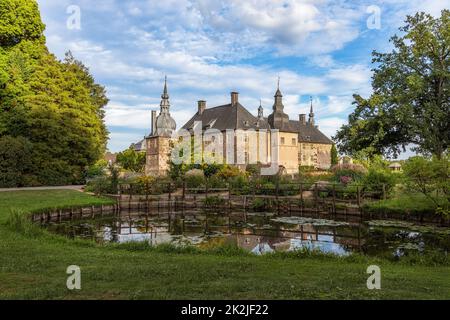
33, 266
412, 204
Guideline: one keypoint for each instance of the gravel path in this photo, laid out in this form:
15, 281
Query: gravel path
78, 188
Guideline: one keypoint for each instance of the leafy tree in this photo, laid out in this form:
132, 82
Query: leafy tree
19, 20
334, 155
410, 103
55, 106
132, 160
430, 177
15, 155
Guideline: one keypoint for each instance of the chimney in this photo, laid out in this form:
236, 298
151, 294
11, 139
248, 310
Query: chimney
234, 98
201, 106
302, 118
153, 123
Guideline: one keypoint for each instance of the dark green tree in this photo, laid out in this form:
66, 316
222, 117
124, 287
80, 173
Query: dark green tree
334, 155
410, 100
56, 106
131, 160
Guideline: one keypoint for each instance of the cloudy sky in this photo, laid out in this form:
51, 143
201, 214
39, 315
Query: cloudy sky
208, 48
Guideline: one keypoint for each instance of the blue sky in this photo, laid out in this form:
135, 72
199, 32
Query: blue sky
208, 48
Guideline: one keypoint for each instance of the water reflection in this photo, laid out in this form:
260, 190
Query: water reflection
258, 234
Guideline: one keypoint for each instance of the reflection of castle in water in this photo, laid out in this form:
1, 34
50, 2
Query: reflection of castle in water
257, 240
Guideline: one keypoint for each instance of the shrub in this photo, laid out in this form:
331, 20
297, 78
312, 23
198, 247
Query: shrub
213, 201
195, 178
15, 155
131, 160
430, 177
96, 170
354, 171
100, 185
376, 178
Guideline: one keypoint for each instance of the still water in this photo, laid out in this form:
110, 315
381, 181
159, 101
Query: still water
260, 233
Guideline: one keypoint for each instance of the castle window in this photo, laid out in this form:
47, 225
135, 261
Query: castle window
293, 141
282, 140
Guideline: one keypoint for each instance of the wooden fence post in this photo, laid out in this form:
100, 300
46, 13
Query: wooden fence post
334, 198
358, 194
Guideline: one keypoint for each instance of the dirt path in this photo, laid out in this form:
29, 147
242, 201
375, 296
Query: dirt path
78, 188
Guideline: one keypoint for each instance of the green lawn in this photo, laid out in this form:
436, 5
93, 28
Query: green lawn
404, 203
32, 266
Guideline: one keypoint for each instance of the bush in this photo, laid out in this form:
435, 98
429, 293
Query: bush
262, 204
96, 170
100, 185
354, 171
195, 178
213, 201
431, 178
376, 178
15, 163
131, 160
108, 184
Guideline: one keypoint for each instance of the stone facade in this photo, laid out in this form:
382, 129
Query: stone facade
300, 143
158, 155
158, 143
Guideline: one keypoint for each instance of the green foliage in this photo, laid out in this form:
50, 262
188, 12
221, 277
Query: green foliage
414, 205
19, 21
211, 169
56, 106
353, 171
262, 204
334, 155
410, 103
375, 178
131, 160
430, 177
228, 172
213, 201
195, 179
15, 159
97, 170
105, 184
19, 222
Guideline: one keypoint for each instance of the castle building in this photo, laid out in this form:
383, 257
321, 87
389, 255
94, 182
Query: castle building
299, 142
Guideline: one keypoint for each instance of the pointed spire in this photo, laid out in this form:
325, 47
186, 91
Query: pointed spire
260, 110
311, 112
165, 94
278, 92
165, 124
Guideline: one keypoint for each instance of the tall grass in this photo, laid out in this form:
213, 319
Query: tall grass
20, 222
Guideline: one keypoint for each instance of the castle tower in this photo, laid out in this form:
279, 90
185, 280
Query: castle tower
159, 141
278, 119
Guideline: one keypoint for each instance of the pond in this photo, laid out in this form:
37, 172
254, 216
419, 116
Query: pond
259, 232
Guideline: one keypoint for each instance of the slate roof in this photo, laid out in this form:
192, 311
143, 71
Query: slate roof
227, 117
238, 117
139, 146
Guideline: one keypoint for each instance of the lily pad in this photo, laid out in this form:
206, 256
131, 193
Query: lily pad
408, 225
312, 221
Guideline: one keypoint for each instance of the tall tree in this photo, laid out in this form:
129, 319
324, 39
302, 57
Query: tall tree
53, 108
410, 100
334, 155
